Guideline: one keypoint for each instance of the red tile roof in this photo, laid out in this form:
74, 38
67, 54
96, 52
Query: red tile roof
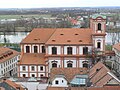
7, 53
13, 84
39, 35
69, 73
60, 36
71, 36
86, 88
100, 75
32, 58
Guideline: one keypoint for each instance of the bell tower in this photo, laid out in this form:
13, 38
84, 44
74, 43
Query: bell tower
98, 26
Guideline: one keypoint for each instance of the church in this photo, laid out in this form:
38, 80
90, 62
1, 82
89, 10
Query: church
47, 48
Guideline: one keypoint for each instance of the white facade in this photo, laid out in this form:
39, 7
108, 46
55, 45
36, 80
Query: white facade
28, 72
9, 67
117, 60
59, 82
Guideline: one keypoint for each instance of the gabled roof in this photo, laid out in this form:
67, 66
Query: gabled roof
39, 35
71, 36
7, 53
32, 58
69, 73
100, 75
59, 36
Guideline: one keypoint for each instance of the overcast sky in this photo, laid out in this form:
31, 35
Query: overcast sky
56, 3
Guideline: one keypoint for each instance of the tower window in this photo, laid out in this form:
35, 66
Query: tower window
54, 65
27, 49
85, 50
43, 49
98, 44
54, 50
35, 49
69, 50
69, 65
99, 26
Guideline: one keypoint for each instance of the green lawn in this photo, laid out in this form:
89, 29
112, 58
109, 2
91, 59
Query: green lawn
19, 16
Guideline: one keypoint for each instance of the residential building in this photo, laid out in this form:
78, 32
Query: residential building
10, 85
98, 76
44, 49
116, 49
8, 62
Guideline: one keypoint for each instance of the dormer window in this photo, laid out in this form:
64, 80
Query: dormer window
99, 26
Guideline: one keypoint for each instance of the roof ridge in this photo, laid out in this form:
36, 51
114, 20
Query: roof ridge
51, 35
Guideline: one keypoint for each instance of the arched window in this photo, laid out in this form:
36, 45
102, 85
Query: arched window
85, 50
98, 44
99, 26
54, 65
27, 49
69, 50
85, 65
35, 49
69, 65
54, 50
43, 49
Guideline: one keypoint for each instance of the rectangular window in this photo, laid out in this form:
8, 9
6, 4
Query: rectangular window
41, 68
98, 45
32, 68
85, 50
23, 68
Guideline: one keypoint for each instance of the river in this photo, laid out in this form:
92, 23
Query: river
17, 37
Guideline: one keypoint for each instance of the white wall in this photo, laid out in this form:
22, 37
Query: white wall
35, 68
60, 84
81, 49
74, 64
21, 74
25, 67
33, 48
74, 49
25, 48
58, 49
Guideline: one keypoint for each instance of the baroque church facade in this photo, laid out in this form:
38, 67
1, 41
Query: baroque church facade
46, 48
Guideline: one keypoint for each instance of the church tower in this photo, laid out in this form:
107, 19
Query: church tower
98, 26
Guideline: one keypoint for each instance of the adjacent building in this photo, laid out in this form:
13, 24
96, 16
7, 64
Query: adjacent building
116, 49
44, 49
8, 62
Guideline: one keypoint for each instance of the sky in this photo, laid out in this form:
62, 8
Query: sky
56, 3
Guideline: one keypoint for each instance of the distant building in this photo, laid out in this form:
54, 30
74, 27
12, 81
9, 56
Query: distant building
8, 62
44, 49
116, 49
